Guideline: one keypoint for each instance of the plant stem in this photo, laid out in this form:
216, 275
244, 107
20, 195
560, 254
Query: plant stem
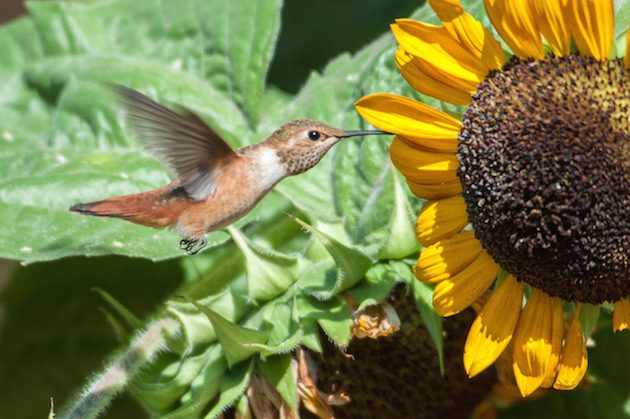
99, 393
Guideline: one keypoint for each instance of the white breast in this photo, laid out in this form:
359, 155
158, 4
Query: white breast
268, 169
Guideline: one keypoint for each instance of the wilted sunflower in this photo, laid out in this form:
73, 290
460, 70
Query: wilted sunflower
539, 166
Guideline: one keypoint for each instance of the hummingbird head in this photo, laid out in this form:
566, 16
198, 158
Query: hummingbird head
302, 143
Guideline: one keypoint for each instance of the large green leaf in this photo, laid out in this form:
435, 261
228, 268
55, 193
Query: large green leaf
622, 25
79, 148
64, 138
198, 37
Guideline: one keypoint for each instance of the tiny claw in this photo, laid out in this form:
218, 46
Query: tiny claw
201, 244
189, 244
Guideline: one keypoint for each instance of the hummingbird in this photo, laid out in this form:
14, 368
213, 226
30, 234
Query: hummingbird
215, 184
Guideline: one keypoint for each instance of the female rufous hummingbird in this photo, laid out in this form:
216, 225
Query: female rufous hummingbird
215, 185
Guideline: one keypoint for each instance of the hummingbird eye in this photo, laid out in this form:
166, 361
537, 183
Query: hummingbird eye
314, 135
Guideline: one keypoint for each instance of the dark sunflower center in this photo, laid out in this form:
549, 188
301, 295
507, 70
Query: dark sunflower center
544, 158
399, 375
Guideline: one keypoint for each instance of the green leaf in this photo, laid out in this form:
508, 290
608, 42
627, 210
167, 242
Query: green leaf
50, 76
242, 60
320, 279
378, 283
608, 360
242, 406
364, 197
122, 334
65, 138
122, 311
234, 339
227, 45
230, 303
281, 319
17, 46
622, 22
589, 317
401, 239
333, 315
328, 277
278, 371
232, 386
202, 388
370, 195
269, 273
311, 335
600, 401
40, 185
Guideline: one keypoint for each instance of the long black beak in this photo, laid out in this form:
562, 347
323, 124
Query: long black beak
362, 133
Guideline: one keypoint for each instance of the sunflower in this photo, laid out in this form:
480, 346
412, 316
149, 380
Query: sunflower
528, 192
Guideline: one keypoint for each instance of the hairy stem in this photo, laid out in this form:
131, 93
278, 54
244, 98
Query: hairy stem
99, 393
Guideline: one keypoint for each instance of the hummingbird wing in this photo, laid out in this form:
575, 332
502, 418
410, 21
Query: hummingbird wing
182, 141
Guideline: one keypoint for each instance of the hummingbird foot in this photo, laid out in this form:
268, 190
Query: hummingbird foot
192, 246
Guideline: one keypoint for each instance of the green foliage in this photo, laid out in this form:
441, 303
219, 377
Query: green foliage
269, 273
622, 20
236, 341
264, 286
279, 372
255, 296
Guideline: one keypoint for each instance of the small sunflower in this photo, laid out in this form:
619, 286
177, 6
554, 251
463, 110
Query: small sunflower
531, 185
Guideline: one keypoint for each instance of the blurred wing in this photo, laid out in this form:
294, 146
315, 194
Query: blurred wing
182, 141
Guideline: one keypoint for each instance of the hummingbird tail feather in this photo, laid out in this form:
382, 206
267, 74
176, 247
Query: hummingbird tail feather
98, 209
137, 208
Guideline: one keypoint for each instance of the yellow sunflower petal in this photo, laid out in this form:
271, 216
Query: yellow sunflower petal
534, 351
447, 258
557, 325
455, 294
429, 127
439, 55
437, 191
447, 10
441, 219
493, 328
592, 26
424, 167
427, 84
621, 315
432, 144
574, 359
551, 16
515, 22
470, 33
